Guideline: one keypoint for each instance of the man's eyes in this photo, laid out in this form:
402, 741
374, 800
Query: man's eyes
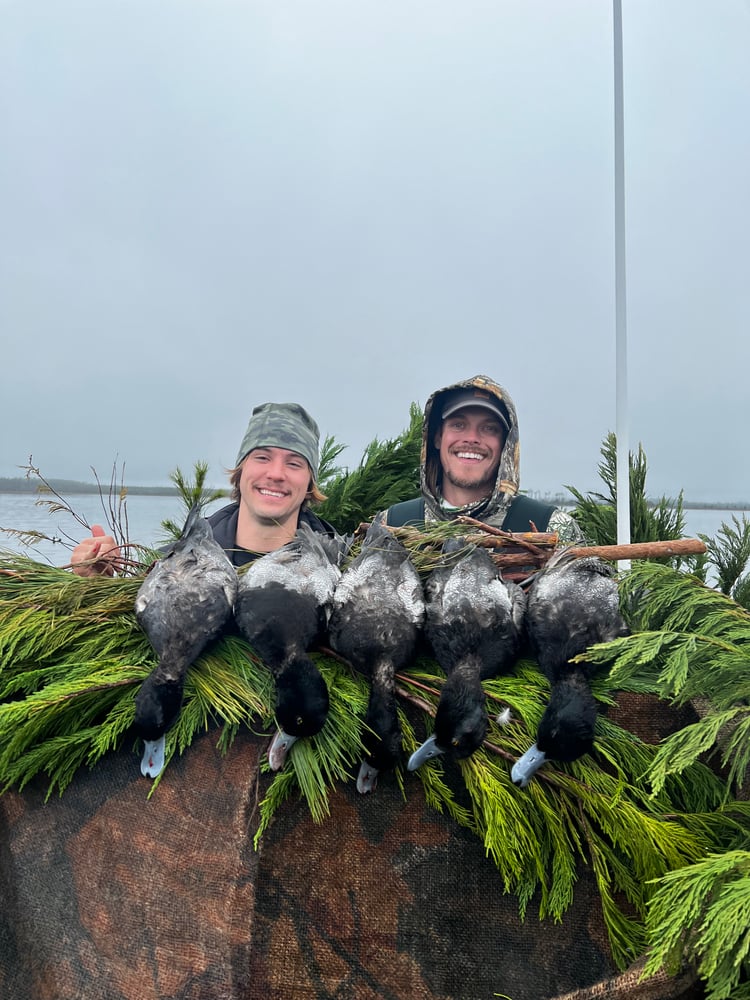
489, 428
294, 463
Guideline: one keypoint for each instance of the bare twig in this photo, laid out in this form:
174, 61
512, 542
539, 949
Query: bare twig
415, 700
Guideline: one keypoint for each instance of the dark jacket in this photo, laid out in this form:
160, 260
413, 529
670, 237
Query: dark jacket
224, 525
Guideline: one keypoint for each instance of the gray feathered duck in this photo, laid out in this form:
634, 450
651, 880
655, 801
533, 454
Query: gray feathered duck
376, 620
572, 604
282, 609
474, 623
183, 604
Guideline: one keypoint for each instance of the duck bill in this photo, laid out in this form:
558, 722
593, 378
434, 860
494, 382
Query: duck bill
427, 751
526, 767
279, 748
152, 762
367, 779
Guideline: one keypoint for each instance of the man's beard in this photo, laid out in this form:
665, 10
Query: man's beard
486, 484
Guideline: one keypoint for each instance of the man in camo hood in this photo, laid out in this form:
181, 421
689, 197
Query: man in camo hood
480, 418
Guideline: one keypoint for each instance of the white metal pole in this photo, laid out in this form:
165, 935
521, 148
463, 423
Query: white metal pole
621, 361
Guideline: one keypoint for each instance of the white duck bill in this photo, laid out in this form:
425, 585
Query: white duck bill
527, 766
152, 762
367, 779
427, 751
279, 748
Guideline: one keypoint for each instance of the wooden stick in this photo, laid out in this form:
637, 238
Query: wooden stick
528, 542
539, 546
642, 550
525, 538
633, 550
504, 558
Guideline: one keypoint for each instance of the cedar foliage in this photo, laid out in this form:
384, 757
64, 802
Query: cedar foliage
661, 827
692, 646
72, 657
387, 473
596, 513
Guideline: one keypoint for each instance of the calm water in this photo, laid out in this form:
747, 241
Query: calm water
144, 517
145, 514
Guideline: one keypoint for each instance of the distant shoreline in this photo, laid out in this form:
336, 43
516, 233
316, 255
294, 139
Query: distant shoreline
65, 487
71, 487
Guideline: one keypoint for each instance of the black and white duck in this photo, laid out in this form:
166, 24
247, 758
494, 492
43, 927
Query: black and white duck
474, 622
282, 609
572, 604
183, 604
377, 614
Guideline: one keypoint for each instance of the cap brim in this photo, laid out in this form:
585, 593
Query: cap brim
481, 404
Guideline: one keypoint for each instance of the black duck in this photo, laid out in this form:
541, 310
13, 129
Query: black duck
281, 609
184, 602
378, 610
573, 603
473, 622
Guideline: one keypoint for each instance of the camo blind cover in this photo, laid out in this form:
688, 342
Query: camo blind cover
107, 895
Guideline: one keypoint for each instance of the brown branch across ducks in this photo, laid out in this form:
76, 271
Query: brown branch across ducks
642, 550
539, 544
533, 541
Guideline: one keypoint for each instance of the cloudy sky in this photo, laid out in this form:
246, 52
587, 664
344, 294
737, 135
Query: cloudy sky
351, 203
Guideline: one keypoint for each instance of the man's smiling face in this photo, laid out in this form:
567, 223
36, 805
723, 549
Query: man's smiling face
470, 443
274, 483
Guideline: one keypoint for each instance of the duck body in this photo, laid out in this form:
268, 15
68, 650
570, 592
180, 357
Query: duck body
282, 609
376, 619
474, 623
573, 604
182, 605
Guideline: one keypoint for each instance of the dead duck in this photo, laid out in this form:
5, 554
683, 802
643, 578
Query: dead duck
572, 604
282, 608
474, 622
376, 618
183, 604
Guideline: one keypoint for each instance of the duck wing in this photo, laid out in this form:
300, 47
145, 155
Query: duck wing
378, 605
573, 603
472, 612
284, 598
308, 564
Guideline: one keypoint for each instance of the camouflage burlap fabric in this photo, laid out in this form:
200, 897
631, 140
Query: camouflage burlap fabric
109, 895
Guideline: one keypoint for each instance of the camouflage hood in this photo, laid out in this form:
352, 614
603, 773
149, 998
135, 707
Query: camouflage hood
494, 508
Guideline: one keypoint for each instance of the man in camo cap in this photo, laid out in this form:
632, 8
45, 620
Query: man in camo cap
273, 483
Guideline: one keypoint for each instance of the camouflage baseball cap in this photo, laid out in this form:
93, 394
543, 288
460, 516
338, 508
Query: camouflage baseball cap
282, 425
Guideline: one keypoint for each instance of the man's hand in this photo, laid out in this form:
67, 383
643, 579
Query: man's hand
96, 556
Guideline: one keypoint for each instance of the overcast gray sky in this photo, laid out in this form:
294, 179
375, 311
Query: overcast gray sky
351, 203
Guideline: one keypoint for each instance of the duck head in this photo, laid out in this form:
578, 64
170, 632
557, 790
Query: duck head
566, 730
301, 707
157, 706
381, 740
460, 722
